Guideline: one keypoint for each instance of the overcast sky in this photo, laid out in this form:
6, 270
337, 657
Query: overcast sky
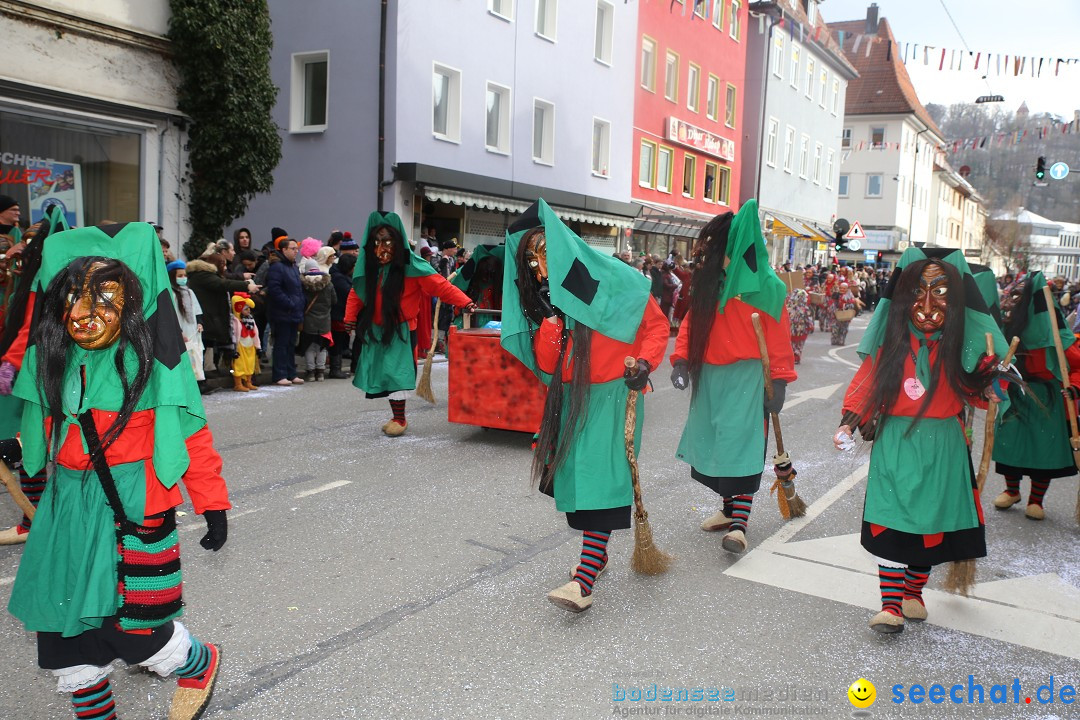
1043, 28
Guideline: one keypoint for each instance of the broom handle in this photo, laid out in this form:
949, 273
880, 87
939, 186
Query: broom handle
763, 350
991, 414
435, 322
628, 436
1074, 438
15, 488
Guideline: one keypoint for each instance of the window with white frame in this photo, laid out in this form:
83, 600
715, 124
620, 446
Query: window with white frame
671, 76
804, 156
308, 96
693, 88
729, 109
709, 191
712, 100
605, 26
771, 142
497, 109
546, 18
647, 164
789, 148
845, 138
689, 175
446, 103
810, 67
874, 184
842, 185
877, 137
502, 8
829, 169
648, 64
835, 95
718, 14
778, 53
601, 146
543, 132
796, 56
663, 169
823, 85
818, 149
734, 20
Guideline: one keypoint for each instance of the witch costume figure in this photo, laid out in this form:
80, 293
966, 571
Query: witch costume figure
718, 356
1032, 436
924, 358
573, 315
111, 399
388, 283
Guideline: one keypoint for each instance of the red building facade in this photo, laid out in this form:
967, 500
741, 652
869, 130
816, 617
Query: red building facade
687, 109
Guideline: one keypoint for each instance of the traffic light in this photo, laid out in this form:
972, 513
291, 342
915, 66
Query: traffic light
880, 256
841, 243
1040, 168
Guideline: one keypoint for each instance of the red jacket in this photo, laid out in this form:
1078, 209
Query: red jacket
433, 285
14, 354
733, 339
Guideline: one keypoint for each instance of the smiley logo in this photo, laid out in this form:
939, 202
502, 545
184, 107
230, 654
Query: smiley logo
862, 693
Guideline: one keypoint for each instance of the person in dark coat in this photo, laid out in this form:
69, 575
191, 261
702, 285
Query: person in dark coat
319, 299
341, 278
206, 278
286, 310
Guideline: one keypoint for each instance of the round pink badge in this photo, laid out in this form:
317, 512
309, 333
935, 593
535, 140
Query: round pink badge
914, 388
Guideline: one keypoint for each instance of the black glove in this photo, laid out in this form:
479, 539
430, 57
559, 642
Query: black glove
217, 530
639, 378
546, 309
779, 390
680, 375
539, 309
11, 452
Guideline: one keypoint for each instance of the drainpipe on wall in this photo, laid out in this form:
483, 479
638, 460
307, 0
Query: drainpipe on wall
382, 105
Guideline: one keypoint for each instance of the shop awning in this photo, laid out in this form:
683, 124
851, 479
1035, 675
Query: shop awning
666, 220
501, 204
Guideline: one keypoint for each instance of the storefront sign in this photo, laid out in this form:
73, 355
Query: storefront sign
686, 134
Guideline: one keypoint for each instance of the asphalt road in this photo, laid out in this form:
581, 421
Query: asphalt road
375, 577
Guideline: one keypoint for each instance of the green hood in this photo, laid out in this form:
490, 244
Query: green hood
464, 275
415, 266
988, 288
977, 318
1038, 332
588, 286
749, 275
171, 392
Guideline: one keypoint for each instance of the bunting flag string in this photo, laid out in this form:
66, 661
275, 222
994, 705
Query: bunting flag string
1017, 137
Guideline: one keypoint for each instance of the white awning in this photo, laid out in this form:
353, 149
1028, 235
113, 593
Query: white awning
500, 204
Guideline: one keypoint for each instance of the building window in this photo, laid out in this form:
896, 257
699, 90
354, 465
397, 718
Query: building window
734, 20
689, 175
546, 17
699, 8
671, 77
723, 189
804, 156
712, 102
796, 56
829, 169
770, 144
648, 64
663, 169
709, 192
502, 8
718, 14
543, 132
601, 146
309, 97
778, 54
789, 148
446, 103
810, 67
497, 137
693, 87
729, 114
845, 138
817, 163
605, 22
835, 95
877, 137
647, 165
873, 185
823, 86
842, 185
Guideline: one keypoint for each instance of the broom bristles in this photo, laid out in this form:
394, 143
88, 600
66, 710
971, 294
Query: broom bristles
781, 498
423, 388
961, 577
647, 558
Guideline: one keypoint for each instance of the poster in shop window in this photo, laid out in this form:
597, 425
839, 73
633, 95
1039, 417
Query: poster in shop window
63, 187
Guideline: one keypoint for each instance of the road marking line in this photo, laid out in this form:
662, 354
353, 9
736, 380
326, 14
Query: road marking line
833, 354
232, 517
821, 393
322, 488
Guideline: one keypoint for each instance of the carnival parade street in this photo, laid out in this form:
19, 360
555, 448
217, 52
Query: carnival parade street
369, 576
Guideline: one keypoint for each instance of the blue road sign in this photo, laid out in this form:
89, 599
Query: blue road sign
1059, 171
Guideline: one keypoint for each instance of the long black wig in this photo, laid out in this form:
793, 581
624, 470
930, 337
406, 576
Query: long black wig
705, 288
392, 289
552, 446
53, 342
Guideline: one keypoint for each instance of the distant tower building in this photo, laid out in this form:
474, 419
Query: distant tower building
1022, 111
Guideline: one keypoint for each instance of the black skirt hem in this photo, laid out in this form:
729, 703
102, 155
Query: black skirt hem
101, 646
604, 520
1034, 473
728, 486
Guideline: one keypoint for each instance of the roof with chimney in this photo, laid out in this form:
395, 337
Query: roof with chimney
883, 86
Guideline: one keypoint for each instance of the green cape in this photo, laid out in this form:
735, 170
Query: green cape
415, 266
171, 391
988, 287
1038, 333
977, 318
749, 275
465, 274
588, 286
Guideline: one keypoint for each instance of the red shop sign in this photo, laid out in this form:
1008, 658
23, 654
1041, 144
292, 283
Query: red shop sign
684, 133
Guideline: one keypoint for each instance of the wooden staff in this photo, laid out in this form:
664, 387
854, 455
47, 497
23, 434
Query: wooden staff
647, 558
991, 414
15, 488
423, 388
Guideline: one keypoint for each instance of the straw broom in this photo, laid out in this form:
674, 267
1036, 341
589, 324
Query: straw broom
788, 500
961, 575
423, 388
15, 488
647, 558
1070, 405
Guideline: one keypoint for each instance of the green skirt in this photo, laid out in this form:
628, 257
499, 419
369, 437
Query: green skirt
596, 474
10, 416
67, 580
389, 368
920, 483
1032, 437
724, 434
